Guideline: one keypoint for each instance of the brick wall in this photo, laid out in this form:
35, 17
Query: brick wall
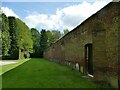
102, 30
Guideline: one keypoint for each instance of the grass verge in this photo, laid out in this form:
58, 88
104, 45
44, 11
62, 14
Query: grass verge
8, 67
41, 73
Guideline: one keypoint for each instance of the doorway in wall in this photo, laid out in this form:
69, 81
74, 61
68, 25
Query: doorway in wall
88, 59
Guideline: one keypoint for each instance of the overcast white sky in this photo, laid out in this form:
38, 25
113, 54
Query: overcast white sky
53, 15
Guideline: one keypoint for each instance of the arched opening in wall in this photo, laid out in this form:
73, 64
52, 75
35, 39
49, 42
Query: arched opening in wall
89, 59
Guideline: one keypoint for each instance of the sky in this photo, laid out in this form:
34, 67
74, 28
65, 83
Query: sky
52, 15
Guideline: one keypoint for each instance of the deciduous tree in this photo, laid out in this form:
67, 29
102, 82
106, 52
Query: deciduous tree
36, 45
43, 41
13, 36
5, 35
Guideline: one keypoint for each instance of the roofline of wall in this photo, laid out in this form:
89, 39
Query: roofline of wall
82, 23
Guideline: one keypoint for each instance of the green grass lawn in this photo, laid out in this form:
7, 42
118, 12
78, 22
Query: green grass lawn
8, 67
41, 73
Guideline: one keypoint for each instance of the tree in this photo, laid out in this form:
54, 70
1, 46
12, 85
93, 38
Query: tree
16, 37
13, 36
36, 45
43, 42
5, 35
21, 38
66, 31
53, 36
24, 36
49, 35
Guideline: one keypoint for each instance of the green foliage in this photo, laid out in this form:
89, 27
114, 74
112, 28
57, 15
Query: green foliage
13, 36
49, 35
5, 35
35, 36
24, 37
66, 31
36, 44
43, 41
17, 37
0, 32
53, 36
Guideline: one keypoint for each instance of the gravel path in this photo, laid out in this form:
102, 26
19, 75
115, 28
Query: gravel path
7, 62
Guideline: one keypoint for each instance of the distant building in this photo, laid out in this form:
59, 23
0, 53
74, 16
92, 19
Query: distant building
93, 47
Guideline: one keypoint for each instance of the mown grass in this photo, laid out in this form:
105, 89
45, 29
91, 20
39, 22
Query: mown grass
41, 73
8, 67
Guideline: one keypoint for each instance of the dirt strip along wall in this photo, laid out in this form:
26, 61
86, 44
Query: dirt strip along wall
102, 31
